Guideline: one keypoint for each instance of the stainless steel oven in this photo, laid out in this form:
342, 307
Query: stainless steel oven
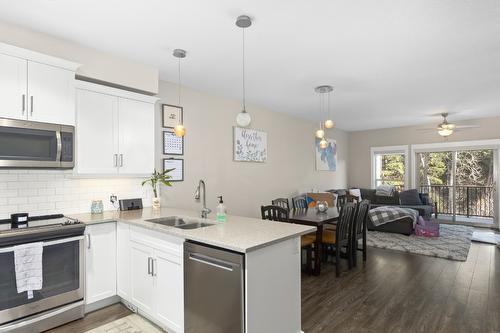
61, 297
29, 144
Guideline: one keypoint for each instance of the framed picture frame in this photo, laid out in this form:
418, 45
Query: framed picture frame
178, 165
172, 144
249, 145
171, 115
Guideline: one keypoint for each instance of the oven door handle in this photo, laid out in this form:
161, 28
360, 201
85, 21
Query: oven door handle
49, 243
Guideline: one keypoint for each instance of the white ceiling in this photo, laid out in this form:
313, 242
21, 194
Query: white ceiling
392, 62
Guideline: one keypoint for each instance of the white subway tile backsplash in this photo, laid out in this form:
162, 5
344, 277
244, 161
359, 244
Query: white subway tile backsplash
40, 192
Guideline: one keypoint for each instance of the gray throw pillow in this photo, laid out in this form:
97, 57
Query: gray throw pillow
410, 198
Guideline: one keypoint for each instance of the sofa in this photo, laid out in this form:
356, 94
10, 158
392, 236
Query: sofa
418, 201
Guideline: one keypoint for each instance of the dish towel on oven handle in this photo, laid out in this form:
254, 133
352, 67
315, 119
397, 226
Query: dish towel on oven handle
28, 267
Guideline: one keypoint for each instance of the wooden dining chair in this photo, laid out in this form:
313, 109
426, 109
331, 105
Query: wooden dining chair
274, 213
359, 230
280, 214
281, 202
339, 239
299, 202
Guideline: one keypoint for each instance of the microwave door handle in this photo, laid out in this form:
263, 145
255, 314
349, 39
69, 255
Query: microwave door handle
59, 146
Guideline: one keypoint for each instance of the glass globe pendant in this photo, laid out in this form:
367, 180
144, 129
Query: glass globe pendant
329, 124
179, 130
320, 133
323, 143
243, 119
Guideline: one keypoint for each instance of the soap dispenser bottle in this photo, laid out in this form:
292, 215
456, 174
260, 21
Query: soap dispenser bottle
221, 210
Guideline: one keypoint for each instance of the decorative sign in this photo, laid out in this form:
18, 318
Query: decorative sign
172, 144
172, 115
326, 158
249, 145
178, 165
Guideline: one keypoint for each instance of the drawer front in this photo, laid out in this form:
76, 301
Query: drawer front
168, 244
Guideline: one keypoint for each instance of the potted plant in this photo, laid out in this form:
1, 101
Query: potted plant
156, 179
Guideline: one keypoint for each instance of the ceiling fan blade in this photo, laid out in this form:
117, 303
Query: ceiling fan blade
466, 126
427, 129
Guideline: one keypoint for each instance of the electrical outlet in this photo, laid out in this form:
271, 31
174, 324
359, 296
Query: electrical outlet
113, 198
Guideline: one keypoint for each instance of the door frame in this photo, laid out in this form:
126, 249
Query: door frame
493, 144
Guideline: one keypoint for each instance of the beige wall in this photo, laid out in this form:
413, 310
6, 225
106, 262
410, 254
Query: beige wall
245, 186
95, 64
360, 143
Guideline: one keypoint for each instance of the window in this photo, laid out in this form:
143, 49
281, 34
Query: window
390, 166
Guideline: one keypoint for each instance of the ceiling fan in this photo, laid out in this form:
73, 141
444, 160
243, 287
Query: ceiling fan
446, 128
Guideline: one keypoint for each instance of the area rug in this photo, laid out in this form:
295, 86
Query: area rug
129, 324
486, 236
453, 242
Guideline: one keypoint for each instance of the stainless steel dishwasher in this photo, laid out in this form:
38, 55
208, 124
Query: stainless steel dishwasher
214, 300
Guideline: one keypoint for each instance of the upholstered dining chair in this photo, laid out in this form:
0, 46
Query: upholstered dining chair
336, 240
359, 230
282, 202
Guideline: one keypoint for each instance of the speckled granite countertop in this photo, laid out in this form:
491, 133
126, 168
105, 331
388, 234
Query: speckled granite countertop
241, 234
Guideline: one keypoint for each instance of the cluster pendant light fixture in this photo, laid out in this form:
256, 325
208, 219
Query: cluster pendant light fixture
324, 103
179, 129
243, 118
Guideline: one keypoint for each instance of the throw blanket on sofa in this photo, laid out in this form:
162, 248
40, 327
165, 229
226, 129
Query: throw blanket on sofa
385, 214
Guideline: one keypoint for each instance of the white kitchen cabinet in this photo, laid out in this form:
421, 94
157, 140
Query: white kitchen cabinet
136, 136
123, 268
35, 86
13, 83
141, 259
97, 142
51, 92
157, 277
169, 290
115, 131
100, 262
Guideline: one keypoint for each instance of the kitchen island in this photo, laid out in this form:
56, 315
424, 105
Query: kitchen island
150, 267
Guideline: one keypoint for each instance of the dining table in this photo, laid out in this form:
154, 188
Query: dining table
313, 217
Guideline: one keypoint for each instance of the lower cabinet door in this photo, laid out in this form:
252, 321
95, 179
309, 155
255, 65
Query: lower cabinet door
100, 261
169, 290
142, 284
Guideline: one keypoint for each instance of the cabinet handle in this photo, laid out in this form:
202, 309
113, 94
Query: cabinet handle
88, 241
31, 105
115, 160
121, 160
153, 267
149, 266
24, 103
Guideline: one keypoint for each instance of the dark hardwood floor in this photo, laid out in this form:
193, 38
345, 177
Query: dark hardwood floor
391, 292
397, 292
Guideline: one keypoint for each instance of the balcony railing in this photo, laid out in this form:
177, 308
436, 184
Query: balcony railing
469, 201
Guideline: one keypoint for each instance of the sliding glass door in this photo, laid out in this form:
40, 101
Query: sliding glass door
461, 182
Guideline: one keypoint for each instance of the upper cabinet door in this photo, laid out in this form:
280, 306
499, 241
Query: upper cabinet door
136, 137
13, 86
96, 133
51, 94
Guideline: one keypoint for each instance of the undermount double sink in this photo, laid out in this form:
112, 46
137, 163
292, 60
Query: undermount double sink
180, 222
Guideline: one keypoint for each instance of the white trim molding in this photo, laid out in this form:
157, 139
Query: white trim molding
404, 149
34, 56
85, 85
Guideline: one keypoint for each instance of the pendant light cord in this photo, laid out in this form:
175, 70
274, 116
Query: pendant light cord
179, 82
243, 67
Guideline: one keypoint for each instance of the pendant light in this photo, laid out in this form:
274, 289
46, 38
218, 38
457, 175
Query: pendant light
243, 118
324, 93
179, 129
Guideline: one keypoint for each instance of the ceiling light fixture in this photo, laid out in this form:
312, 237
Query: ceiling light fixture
243, 118
179, 129
324, 93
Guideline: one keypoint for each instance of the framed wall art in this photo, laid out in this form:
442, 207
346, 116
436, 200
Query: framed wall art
172, 144
171, 115
178, 165
249, 145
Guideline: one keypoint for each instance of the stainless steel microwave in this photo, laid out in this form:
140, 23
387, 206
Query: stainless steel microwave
29, 144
